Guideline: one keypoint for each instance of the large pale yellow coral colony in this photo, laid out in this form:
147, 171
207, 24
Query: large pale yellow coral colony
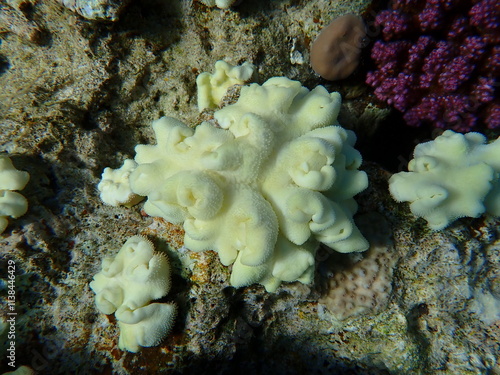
265, 188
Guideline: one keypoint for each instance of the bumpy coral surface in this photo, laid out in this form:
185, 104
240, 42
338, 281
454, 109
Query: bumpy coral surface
453, 176
439, 62
265, 188
127, 284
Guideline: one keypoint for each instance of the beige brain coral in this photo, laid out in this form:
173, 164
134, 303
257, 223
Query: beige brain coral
265, 188
363, 285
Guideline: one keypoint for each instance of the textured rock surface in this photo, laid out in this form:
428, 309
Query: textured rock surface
83, 99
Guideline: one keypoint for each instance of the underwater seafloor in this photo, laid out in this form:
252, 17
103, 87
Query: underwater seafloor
78, 97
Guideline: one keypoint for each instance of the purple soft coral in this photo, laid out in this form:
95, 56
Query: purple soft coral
439, 62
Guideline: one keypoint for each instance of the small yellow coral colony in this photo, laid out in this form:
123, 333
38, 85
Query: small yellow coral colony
265, 188
126, 286
453, 176
12, 203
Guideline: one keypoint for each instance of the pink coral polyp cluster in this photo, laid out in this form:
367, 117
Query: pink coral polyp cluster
439, 62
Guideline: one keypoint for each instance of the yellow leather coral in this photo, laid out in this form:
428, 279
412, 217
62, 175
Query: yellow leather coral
126, 286
263, 189
456, 175
12, 203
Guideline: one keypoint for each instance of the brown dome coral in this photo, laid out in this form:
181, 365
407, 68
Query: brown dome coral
335, 52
